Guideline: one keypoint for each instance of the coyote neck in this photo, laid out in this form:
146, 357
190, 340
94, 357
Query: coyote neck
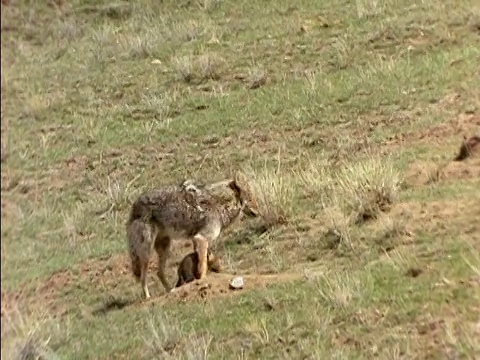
229, 214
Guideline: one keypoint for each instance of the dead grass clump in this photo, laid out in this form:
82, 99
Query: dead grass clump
257, 76
340, 290
369, 8
26, 338
274, 193
184, 67
317, 181
209, 66
367, 188
204, 67
139, 46
165, 336
338, 234
167, 340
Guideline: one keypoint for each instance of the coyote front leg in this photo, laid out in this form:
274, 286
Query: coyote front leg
200, 244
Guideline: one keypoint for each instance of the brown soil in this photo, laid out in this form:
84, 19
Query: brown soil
458, 127
436, 216
422, 173
217, 285
113, 275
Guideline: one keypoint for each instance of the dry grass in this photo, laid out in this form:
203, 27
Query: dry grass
367, 188
341, 290
27, 337
167, 340
275, 191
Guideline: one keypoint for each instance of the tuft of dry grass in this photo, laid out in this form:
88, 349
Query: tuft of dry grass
340, 290
164, 336
275, 192
184, 67
367, 188
338, 233
26, 337
167, 340
317, 180
207, 66
210, 66
369, 8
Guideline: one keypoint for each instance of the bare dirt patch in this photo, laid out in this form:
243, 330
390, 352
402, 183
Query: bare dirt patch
436, 217
426, 172
110, 278
462, 125
217, 285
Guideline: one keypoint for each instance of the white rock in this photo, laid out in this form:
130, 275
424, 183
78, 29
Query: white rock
236, 283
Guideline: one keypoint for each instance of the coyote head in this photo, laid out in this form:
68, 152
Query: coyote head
243, 194
244, 197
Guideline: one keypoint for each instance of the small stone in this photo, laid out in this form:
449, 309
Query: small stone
236, 283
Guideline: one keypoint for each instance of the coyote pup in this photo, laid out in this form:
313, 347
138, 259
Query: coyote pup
189, 209
187, 269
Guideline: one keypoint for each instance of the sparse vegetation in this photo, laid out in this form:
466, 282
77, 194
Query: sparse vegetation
346, 117
367, 188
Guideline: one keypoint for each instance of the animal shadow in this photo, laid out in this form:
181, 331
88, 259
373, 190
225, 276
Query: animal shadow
111, 305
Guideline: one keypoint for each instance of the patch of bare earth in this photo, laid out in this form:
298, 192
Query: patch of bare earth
465, 165
110, 278
465, 124
437, 216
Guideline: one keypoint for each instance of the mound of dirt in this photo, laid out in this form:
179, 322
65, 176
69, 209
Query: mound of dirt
420, 173
217, 285
461, 170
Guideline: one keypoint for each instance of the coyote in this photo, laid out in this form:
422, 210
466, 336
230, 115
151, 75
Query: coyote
187, 269
191, 210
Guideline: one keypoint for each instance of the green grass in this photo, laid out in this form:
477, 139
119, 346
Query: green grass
325, 104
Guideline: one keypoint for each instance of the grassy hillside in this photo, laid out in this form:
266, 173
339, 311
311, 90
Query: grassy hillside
345, 114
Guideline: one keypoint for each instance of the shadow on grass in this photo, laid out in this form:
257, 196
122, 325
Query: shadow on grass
111, 305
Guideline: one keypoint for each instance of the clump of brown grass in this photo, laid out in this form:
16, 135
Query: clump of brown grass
204, 67
164, 336
167, 340
340, 290
317, 181
209, 66
184, 67
25, 337
367, 188
274, 192
338, 229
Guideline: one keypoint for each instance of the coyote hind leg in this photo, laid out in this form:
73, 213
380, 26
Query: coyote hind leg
162, 247
140, 242
200, 244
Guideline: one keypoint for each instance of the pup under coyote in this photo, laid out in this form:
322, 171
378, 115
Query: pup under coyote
188, 267
188, 210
